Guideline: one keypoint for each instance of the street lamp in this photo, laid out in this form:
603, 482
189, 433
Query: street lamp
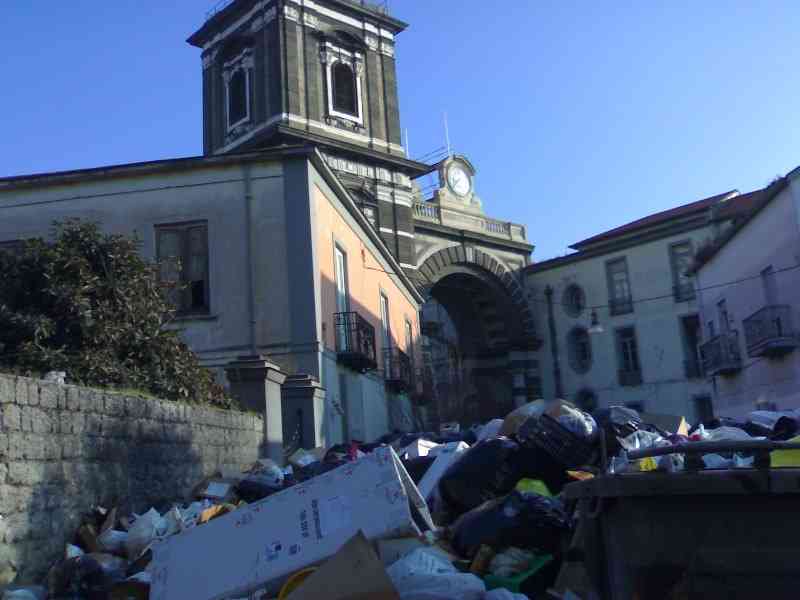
595, 327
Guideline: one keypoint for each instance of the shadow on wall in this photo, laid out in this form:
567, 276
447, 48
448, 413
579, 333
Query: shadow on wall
111, 451
403, 413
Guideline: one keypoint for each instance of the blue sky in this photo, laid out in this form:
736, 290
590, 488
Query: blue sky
579, 116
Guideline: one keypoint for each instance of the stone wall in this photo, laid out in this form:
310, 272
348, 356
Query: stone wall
64, 448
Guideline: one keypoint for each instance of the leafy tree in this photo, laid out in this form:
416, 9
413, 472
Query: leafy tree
88, 304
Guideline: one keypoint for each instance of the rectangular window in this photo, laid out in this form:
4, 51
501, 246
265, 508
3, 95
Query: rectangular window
409, 338
182, 252
619, 289
238, 86
630, 372
681, 261
342, 292
703, 409
386, 334
690, 333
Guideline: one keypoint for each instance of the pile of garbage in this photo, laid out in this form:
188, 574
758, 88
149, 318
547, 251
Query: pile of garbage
476, 514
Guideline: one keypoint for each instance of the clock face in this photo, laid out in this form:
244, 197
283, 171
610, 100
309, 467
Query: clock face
459, 181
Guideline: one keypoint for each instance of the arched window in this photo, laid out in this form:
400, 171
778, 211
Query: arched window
345, 97
237, 97
579, 346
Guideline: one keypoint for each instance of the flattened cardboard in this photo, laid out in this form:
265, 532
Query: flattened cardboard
261, 544
446, 455
353, 573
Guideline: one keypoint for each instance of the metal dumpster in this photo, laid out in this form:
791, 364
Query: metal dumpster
731, 533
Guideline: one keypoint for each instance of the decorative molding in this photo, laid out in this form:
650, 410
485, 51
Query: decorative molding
297, 119
387, 49
310, 20
330, 55
291, 13
372, 42
210, 58
262, 21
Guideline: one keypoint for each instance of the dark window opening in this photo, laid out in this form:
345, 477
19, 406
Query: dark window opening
580, 350
345, 97
586, 400
703, 408
628, 349
237, 97
182, 252
574, 300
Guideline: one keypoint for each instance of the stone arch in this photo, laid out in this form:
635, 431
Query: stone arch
483, 266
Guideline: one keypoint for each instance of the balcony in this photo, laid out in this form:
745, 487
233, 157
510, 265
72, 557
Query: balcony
355, 341
683, 292
620, 306
692, 368
397, 371
630, 378
721, 355
769, 332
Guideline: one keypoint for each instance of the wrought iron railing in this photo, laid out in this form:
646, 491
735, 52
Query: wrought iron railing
620, 306
355, 341
769, 330
683, 292
630, 377
721, 354
397, 369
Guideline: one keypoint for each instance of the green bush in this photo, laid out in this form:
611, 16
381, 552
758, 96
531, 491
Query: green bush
88, 304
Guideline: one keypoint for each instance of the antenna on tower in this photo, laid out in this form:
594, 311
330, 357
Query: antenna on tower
447, 137
408, 145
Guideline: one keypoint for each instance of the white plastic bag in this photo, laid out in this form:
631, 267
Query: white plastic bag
427, 575
112, 541
145, 530
734, 434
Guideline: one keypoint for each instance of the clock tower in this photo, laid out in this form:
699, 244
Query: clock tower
323, 73
457, 185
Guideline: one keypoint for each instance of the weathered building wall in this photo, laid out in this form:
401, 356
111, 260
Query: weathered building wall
66, 448
770, 239
665, 387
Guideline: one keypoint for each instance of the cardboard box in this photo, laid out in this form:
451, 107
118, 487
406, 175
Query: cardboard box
261, 544
353, 573
418, 448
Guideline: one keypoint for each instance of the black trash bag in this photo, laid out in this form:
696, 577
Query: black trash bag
418, 466
98, 571
535, 463
316, 468
521, 519
617, 422
785, 429
254, 489
487, 470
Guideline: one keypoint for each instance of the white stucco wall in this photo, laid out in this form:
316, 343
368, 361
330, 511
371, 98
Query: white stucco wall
139, 203
771, 238
665, 388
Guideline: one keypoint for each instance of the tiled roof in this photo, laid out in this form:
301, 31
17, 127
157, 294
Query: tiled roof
664, 216
754, 202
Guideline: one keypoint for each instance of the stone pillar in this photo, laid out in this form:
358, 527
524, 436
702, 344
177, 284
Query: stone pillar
303, 400
256, 383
